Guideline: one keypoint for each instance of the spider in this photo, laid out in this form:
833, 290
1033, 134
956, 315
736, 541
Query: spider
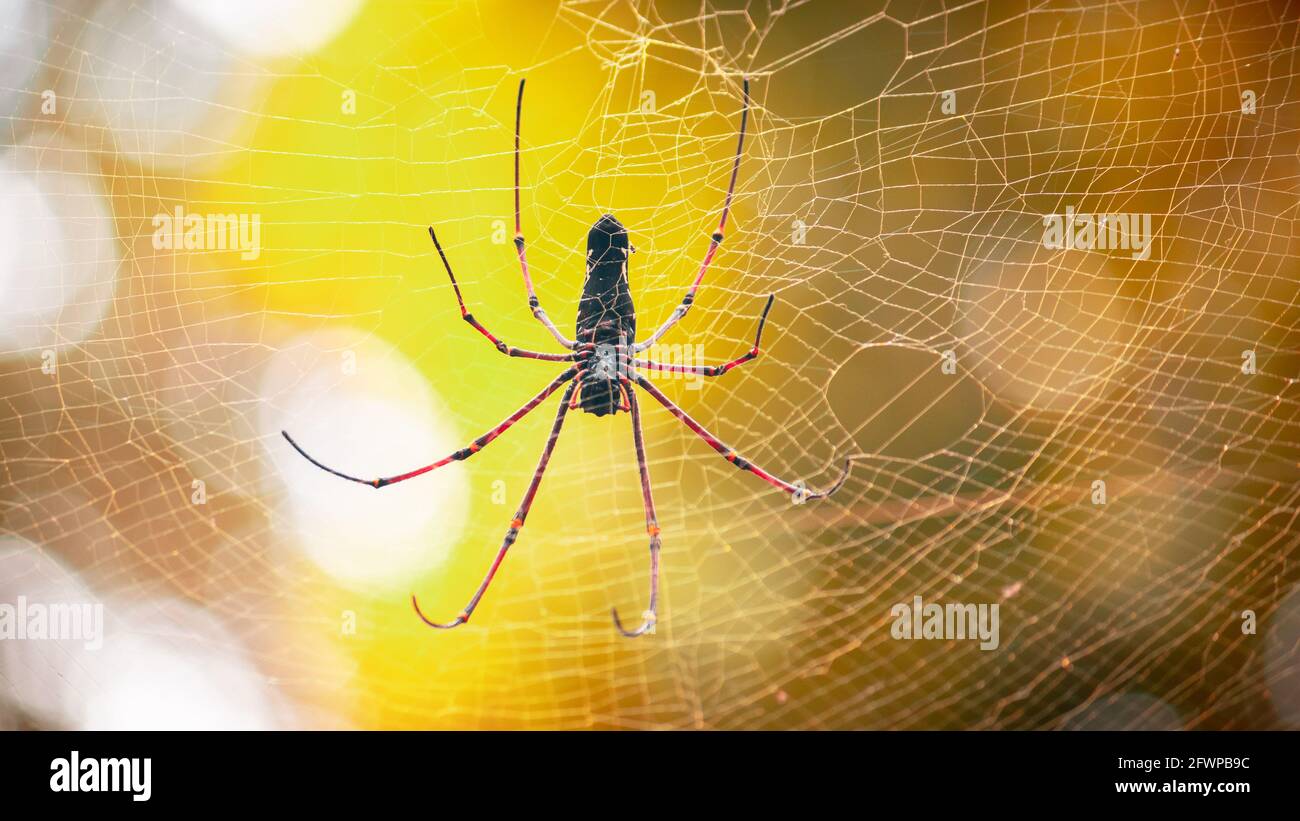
601, 378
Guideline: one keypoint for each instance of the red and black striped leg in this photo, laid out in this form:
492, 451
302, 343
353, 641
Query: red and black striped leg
714, 241
714, 370
497, 343
533, 303
735, 458
651, 615
515, 525
460, 455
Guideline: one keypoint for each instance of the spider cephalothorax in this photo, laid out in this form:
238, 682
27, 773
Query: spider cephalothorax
604, 364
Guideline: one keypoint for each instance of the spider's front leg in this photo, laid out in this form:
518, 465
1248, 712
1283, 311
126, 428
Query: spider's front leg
651, 615
515, 525
456, 456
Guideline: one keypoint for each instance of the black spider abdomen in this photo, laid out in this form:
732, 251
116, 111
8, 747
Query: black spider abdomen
606, 315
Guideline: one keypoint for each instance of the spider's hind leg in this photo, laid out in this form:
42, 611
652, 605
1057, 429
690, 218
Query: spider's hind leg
534, 304
651, 615
714, 241
508, 350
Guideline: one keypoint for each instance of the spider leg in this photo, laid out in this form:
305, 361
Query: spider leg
533, 302
500, 346
462, 454
731, 455
651, 615
714, 241
713, 370
575, 395
515, 525
625, 395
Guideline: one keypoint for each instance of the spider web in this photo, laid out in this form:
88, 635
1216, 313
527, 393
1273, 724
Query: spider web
900, 161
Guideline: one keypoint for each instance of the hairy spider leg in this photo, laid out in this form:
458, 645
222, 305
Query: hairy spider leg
714, 241
513, 533
460, 455
468, 317
734, 458
651, 615
533, 302
713, 370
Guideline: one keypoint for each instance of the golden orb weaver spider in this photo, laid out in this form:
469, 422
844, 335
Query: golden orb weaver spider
604, 364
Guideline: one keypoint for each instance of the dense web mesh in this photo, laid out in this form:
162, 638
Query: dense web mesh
1105, 446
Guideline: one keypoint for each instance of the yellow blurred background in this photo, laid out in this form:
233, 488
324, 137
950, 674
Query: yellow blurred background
891, 194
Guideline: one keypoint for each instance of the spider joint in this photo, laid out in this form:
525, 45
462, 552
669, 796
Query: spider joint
717, 237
